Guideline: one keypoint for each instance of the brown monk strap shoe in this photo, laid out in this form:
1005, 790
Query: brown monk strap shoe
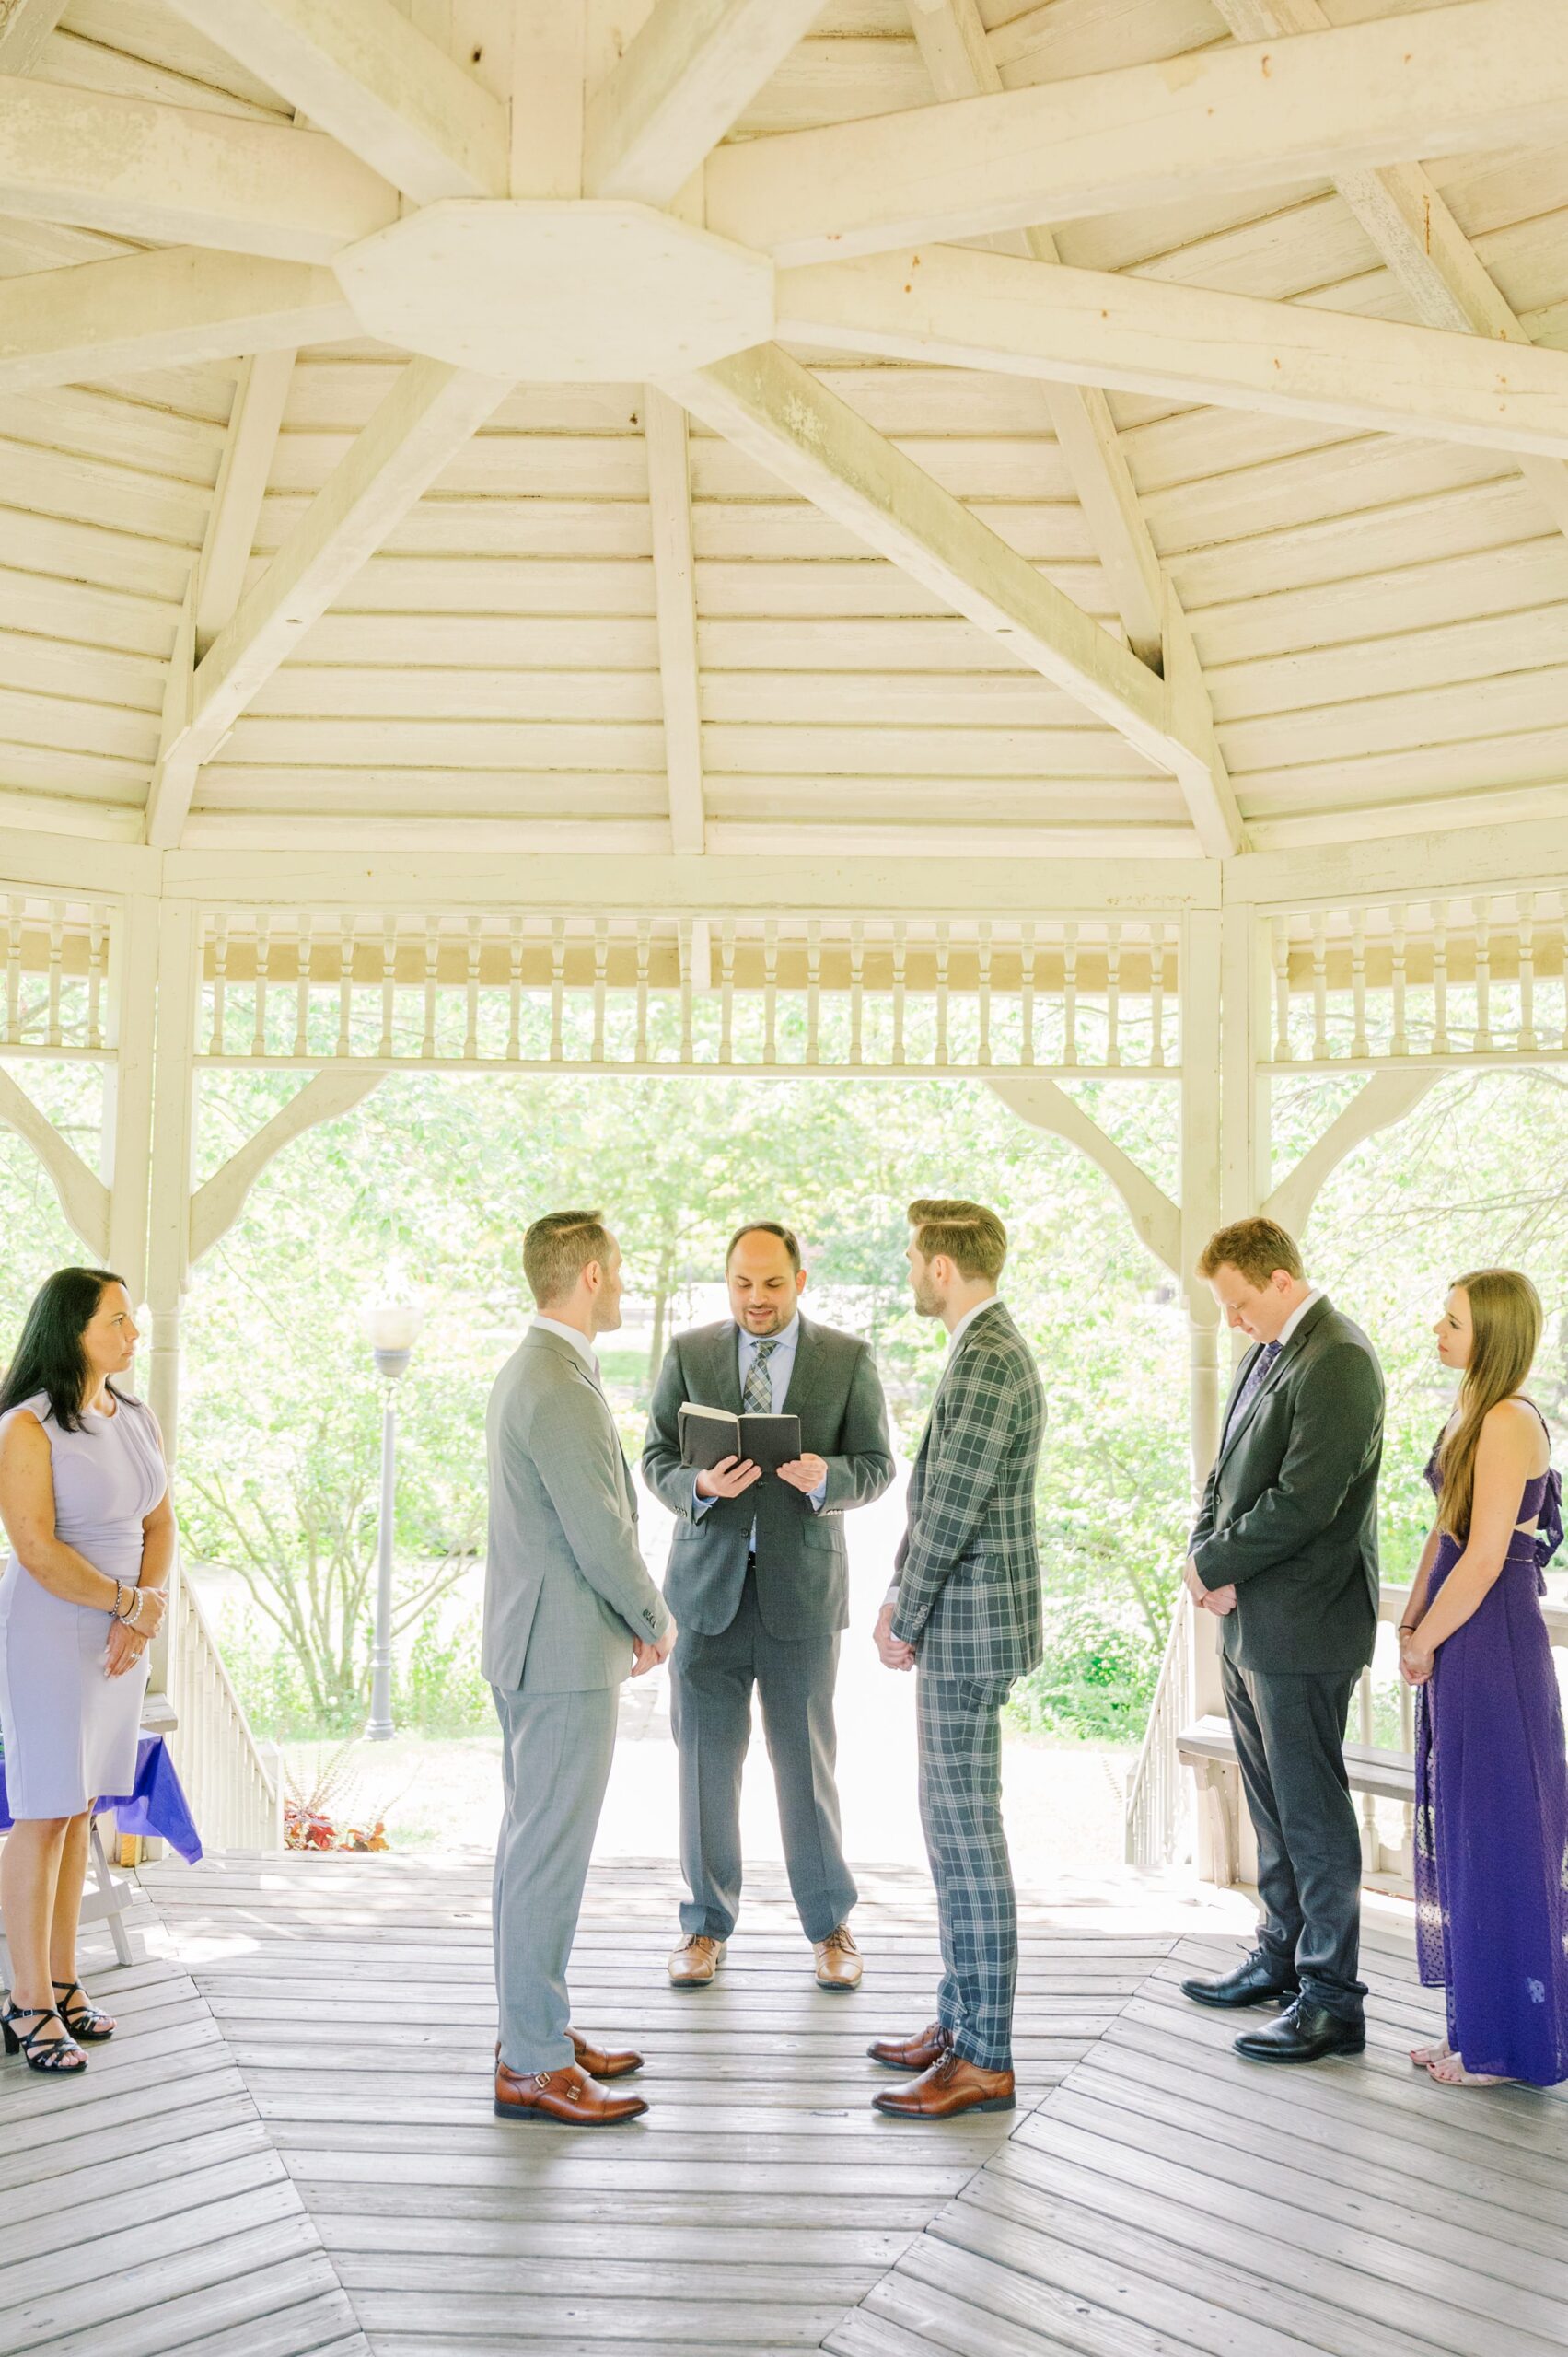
695, 1962
916, 2053
595, 2061
838, 1962
569, 2097
948, 2089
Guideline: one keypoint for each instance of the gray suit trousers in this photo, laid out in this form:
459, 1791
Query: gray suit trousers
555, 1758
710, 1710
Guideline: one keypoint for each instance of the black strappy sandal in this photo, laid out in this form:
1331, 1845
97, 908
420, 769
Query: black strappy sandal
86, 2025
60, 2057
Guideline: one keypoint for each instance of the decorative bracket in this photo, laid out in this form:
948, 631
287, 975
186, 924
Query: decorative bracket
84, 1198
1156, 1219
217, 1205
1386, 1098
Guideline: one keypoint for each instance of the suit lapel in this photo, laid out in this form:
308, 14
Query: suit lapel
803, 1369
1242, 1422
726, 1367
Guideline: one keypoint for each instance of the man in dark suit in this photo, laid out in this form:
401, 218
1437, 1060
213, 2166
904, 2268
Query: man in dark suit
965, 1609
1285, 1550
758, 1579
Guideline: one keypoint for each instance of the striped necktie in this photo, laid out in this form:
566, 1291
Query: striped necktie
1257, 1376
757, 1397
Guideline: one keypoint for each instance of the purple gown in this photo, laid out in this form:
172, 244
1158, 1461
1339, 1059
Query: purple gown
1492, 1815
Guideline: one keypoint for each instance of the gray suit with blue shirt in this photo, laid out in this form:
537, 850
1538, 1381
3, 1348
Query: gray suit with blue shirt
759, 1587
566, 1593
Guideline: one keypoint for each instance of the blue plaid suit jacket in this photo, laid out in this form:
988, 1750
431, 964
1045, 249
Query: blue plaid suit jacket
968, 1572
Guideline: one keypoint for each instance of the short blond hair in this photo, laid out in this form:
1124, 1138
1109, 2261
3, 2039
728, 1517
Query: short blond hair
968, 1235
558, 1247
1254, 1249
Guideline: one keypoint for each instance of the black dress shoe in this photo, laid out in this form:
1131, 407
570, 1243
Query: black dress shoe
1258, 1981
1306, 2034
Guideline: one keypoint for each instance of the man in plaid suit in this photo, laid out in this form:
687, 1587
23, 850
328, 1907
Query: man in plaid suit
964, 1610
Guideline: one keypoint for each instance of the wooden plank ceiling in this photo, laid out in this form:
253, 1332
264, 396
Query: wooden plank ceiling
1379, 622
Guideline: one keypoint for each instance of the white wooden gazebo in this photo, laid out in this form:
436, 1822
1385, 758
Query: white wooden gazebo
775, 535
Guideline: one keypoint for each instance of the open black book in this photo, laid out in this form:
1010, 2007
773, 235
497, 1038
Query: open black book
710, 1435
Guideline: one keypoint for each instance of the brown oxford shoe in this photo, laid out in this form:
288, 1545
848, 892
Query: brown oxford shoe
595, 2061
695, 1963
569, 2097
916, 2053
839, 1963
948, 2089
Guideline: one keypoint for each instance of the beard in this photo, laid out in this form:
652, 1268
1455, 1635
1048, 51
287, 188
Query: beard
927, 1301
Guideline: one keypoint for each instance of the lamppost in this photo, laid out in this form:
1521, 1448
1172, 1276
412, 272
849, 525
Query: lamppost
392, 1329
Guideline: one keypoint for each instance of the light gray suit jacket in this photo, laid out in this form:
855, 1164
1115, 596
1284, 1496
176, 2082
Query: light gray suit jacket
565, 1586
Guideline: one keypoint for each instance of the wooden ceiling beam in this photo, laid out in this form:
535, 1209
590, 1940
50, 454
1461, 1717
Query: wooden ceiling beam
25, 27
686, 77
959, 307
789, 423
362, 72
952, 41
170, 309
174, 176
1408, 220
242, 488
426, 419
1480, 75
675, 605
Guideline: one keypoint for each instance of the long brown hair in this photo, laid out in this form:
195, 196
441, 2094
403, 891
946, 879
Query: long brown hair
1506, 1322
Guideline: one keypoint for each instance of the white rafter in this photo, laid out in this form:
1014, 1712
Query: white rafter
789, 423
241, 487
168, 309
1409, 222
360, 71
964, 308
669, 508
694, 66
958, 57
1480, 75
428, 415
174, 176
25, 27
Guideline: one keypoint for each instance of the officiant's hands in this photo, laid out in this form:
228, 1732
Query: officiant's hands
728, 1478
804, 1473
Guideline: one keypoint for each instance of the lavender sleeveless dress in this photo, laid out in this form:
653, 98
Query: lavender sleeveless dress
1492, 1814
69, 1730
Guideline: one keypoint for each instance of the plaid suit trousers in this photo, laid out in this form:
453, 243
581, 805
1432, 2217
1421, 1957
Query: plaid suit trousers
959, 1732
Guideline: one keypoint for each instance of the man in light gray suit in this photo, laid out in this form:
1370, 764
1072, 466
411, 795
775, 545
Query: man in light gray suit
569, 1609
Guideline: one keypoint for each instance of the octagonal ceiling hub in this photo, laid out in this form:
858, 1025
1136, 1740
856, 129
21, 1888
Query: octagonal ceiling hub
588, 291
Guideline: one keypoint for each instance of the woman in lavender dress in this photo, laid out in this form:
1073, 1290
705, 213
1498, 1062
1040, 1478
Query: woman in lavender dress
84, 1496
1491, 1782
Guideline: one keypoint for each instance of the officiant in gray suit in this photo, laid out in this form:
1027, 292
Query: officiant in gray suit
569, 1610
758, 1580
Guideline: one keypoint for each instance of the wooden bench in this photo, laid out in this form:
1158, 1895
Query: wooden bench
1209, 1747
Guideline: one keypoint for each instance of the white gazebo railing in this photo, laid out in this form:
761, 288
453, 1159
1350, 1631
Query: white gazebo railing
235, 1797
1159, 1794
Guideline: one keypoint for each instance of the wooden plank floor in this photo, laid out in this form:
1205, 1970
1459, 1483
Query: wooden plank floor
289, 2149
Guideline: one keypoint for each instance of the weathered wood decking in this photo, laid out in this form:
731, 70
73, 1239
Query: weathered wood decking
289, 2149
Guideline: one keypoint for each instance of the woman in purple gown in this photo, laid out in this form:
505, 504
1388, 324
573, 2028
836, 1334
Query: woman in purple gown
1491, 1782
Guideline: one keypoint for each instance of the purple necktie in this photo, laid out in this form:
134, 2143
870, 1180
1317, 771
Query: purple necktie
1255, 1376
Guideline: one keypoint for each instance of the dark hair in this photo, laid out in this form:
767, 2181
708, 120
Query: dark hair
1254, 1249
558, 1247
786, 1237
50, 1356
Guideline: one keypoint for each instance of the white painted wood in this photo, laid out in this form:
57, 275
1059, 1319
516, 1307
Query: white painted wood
82, 1195
24, 29
984, 310
218, 1201
430, 414
788, 422
1484, 74
691, 71
150, 311
260, 400
363, 72
1044, 1106
669, 503
170, 175
1385, 1098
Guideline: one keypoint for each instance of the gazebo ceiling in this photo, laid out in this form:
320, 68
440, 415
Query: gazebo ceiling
1115, 427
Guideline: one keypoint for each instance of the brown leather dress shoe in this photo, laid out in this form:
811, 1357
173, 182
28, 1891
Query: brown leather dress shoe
569, 2097
916, 2053
695, 1963
948, 2089
595, 2061
839, 1964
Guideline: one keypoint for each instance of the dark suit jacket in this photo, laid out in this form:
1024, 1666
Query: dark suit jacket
1290, 1511
802, 1561
969, 1567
